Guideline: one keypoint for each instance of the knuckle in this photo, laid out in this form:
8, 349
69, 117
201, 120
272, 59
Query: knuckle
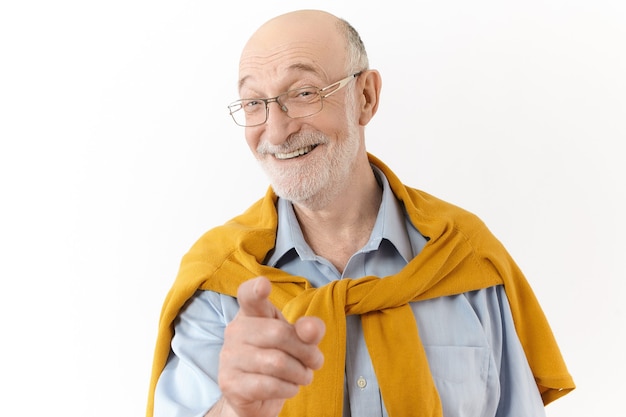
226, 382
275, 362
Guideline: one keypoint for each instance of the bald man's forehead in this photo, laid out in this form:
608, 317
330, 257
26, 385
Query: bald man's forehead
286, 61
283, 77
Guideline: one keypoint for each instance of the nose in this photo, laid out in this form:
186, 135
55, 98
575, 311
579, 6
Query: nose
279, 125
281, 107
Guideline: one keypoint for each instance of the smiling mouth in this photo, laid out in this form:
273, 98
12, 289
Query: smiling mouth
296, 153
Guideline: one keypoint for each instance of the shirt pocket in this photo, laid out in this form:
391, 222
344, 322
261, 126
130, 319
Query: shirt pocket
461, 376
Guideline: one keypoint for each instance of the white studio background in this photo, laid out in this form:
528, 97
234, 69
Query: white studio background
117, 153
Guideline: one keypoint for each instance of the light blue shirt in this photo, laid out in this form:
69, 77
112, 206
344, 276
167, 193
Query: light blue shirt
474, 354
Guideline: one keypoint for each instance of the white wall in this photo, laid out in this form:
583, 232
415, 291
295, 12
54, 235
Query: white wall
117, 152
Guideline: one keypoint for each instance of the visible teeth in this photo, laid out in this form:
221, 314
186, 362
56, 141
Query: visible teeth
295, 153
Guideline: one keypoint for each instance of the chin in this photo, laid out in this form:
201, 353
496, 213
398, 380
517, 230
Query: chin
305, 194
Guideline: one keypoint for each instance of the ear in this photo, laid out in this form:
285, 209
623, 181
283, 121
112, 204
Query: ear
369, 87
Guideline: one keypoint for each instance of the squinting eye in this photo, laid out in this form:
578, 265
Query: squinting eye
305, 92
253, 105
304, 95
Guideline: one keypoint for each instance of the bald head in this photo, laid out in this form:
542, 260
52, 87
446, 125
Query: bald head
318, 39
299, 24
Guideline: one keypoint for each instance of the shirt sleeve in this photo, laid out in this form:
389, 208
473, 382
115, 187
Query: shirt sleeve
519, 395
188, 385
519, 392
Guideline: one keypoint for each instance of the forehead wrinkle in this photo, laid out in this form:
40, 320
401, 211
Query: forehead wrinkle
295, 59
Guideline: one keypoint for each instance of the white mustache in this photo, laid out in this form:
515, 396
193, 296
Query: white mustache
293, 143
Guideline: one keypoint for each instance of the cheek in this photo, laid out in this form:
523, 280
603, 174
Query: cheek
330, 123
338, 117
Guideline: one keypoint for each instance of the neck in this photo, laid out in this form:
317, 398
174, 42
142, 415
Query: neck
343, 226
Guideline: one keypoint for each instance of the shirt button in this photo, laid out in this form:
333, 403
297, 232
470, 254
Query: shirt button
361, 382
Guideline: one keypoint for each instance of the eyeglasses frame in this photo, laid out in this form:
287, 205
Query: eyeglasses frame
336, 86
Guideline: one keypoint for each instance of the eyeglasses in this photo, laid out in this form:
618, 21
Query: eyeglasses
296, 103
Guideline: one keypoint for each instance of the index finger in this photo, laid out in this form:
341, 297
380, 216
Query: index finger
253, 299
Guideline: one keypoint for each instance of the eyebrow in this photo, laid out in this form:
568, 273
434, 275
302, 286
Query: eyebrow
297, 67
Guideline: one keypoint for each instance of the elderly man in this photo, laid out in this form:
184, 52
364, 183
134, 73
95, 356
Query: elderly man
342, 291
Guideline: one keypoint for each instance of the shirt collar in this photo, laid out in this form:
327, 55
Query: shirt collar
391, 224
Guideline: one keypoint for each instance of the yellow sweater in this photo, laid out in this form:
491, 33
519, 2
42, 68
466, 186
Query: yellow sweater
461, 255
